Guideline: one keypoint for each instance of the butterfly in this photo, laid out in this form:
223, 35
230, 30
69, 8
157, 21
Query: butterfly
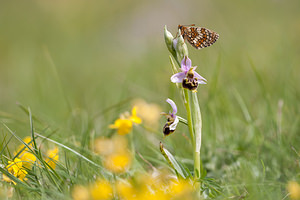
198, 37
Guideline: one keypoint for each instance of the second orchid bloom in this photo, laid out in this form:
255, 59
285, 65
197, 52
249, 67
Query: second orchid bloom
172, 119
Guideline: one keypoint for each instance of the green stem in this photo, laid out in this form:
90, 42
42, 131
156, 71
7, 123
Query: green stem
189, 115
197, 124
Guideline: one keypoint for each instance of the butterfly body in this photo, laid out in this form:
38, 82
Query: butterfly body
198, 37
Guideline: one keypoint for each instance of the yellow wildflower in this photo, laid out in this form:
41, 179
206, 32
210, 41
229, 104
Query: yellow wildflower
118, 162
294, 190
15, 168
154, 194
80, 193
181, 189
144, 186
161, 195
22, 147
149, 112
125, 122
125, 190
52, 157
159, 185
28, 159
101, 190
105, 146
134, 118
27, 140
24, 154
124, 126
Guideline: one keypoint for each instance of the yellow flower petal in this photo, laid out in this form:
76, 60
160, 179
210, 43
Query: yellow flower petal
15, 168
27, 140
125, 190
150, 113
181, 188
118, 163
80, 193
52, 157
106, 146
6, 178
28, 159
101, 190
134, 116
124, 126
294, 190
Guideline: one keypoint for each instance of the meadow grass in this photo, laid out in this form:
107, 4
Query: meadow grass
74, 67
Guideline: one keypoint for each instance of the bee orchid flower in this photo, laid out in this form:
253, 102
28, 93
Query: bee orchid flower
172, 119
188, 77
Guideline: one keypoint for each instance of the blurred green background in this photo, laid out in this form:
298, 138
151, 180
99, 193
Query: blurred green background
66, 59
101, 48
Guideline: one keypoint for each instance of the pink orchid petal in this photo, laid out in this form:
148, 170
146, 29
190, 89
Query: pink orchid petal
178, 77
173, 105
201, 80
186, 64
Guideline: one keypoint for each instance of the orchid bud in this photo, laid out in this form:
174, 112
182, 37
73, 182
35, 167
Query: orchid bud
181, 47
169, 41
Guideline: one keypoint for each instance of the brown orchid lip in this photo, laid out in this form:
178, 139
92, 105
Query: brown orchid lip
190, 83
166, 128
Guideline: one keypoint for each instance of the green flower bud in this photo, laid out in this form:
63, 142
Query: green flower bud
181, 48
169, 41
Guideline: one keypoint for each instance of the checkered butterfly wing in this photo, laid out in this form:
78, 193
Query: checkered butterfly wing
198, 37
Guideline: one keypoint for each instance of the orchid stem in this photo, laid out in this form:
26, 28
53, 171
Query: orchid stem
189, 115
197, 125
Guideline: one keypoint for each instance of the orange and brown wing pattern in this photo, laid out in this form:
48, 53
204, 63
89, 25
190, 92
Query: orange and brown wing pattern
198, 37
